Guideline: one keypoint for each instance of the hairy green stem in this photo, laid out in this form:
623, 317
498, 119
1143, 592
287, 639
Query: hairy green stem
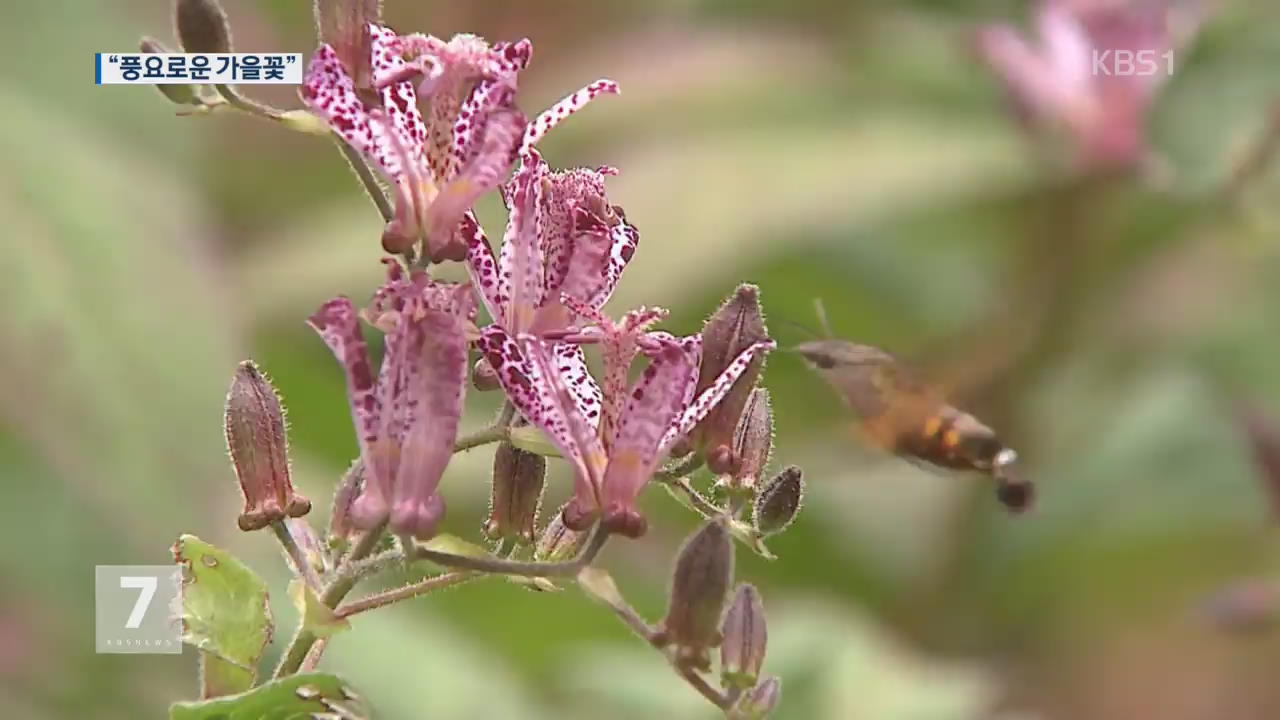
412, 590
296, 555
491, 434
302, 641
515, 567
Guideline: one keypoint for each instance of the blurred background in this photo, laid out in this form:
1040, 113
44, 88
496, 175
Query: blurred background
851, 151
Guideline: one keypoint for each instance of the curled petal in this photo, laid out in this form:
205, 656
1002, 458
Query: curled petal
699, 408
482, 267
563, 109
571, 366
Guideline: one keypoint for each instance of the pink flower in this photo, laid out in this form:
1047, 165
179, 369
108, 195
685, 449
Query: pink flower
407, 418
464, 147
1094, 73
615, 438
563, 240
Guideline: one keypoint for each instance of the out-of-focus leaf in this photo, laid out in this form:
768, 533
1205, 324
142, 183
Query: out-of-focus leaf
224, 614
308, 695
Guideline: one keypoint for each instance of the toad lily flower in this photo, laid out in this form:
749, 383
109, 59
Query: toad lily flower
407, 418
1094, 75
472, 134
563, 240
612, 460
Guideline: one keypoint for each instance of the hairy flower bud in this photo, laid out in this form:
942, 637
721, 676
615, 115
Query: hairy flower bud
259, 450
753, 438
762, 700
557, 541
344, 25
518, 478
732, 329
202, 26
779, 502
721, 460
745, 637
699, 587
184, 94
483, 377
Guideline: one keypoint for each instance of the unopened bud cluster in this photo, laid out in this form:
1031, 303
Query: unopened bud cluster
698, 620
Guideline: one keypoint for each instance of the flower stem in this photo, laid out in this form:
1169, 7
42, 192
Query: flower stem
491, 434
406, 592
296, 555
515, 567
302, 641
367, 179
704, 688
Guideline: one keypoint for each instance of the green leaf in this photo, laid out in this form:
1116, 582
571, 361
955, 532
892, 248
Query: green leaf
297, 696
224, 614
316, 616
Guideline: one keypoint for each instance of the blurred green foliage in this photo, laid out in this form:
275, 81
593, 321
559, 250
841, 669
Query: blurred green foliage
848, 151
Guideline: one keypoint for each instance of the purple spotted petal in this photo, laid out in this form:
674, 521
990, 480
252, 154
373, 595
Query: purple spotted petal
654, 405
571, 366
338, 325
483, 172
625, 240
703, 404
482, 267
563, 109
437, 373
328, 90
399, 100
520, 263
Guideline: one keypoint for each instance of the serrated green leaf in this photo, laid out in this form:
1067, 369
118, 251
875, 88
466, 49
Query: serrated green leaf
297, 696
224, 613
316, 616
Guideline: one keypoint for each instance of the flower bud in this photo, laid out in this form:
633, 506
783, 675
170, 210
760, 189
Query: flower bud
517, 494
721, 460
762, 700
343, 24
184, 94
779, 502
753, 438
557, 541
699, 586
202, 26
259, 450
483, 377
745, 638
733, 328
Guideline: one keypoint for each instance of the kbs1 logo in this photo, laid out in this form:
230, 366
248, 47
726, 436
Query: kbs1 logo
1131, 63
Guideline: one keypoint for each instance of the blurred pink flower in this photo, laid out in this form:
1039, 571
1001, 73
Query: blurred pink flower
472, 133
407, 418
1093, 71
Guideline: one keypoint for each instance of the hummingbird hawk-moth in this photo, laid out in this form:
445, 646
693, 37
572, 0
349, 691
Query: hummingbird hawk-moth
912, 419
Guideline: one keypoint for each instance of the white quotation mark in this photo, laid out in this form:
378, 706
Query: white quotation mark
146, 584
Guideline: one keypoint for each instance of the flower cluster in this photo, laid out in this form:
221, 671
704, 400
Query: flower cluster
563, 252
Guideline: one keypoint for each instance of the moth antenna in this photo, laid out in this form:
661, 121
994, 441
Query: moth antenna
821, 310
804, 328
